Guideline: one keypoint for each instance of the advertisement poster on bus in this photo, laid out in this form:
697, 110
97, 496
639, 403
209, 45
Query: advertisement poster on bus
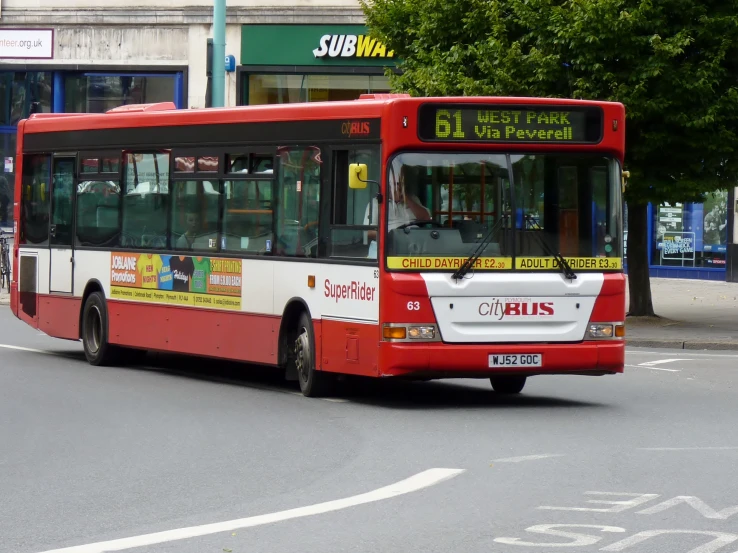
176, 280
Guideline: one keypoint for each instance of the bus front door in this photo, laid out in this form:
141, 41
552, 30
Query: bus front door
61, 225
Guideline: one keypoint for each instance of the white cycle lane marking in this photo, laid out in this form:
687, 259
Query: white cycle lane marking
585, 535
415, 483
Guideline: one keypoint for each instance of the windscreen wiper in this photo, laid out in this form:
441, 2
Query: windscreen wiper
563, 263
469, 263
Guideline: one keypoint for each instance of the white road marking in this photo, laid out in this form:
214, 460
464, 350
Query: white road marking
717, 448
415, 483
653, 368
527, 458
661, 362
32, 350
661, 353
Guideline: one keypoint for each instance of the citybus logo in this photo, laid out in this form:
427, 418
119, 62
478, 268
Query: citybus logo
355, 128
515, 307
351, 46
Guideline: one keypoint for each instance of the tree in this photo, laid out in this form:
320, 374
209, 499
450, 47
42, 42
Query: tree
673, 63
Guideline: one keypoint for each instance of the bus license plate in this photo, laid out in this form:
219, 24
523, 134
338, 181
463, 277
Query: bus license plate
516, 360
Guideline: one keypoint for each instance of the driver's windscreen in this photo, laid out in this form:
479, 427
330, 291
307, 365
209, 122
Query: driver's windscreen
460, 196
446, 204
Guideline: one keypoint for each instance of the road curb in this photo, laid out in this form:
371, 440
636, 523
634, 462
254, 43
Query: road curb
680, 344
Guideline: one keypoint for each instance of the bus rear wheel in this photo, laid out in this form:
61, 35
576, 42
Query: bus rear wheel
508, 384
98, 350
313, 383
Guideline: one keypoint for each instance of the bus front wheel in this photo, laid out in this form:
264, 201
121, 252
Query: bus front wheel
313, 383
95, 331
508, 384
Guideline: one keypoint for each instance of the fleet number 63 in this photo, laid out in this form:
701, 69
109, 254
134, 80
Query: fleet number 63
413, 306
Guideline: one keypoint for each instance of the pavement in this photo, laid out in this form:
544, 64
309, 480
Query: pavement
205, 457
691, 314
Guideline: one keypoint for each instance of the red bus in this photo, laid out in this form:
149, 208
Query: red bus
390, 236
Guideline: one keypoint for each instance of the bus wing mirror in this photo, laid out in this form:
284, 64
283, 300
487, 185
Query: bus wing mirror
357, 176
625, 175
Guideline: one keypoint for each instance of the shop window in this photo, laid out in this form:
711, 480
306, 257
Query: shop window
98, 212
691, 234
98, 93
7, 177
298, 202
19, 90
285, 89
354, 213
145, 200
35, 200
248, 216
195, 215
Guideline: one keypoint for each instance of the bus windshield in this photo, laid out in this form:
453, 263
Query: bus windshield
446, 204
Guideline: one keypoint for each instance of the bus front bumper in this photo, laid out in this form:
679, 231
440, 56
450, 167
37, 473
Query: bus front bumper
439, 360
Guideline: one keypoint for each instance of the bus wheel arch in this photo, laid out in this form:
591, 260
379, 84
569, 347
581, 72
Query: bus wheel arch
297, 351
288, 328
94, 329
91, 287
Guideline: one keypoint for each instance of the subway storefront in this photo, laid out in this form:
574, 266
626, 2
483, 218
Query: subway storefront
283, 64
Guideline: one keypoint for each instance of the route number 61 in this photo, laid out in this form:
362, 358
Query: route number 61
413, 306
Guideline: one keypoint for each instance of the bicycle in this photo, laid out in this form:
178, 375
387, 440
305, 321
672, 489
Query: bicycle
4, 262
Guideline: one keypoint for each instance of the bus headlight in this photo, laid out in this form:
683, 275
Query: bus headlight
421, 332
394, 332
605, 331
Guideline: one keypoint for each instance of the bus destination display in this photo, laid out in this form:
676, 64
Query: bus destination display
500, 123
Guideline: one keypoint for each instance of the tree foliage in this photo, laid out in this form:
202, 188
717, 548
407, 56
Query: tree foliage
673, 63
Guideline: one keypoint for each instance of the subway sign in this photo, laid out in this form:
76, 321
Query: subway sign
351, 46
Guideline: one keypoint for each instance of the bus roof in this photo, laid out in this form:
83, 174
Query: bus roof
166, 114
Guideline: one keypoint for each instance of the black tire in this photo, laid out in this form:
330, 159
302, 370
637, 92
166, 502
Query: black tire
508, 384
98, 350
313, 383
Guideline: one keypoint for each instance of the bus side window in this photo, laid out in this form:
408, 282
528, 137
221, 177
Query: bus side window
145, 200
248, 216
354, 213
195, 210
298, 201
35, 200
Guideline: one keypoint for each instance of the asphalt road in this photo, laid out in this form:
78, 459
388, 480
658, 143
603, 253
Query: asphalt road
641, 462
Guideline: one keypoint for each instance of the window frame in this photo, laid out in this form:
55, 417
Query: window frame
256, 152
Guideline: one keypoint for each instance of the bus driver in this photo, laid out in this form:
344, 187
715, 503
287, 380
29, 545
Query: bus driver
403, 207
